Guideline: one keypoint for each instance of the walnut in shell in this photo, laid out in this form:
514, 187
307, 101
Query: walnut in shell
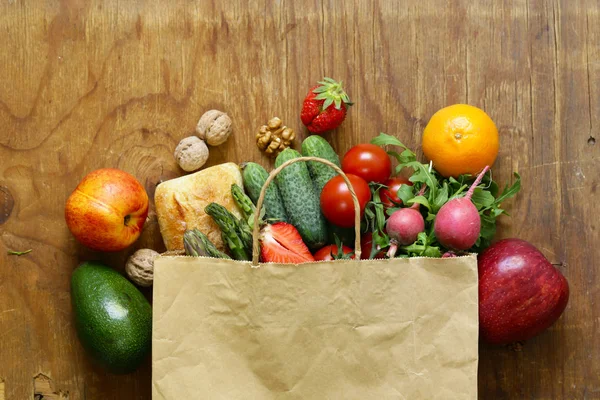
274, 137
214, 127
140, 267
191, 153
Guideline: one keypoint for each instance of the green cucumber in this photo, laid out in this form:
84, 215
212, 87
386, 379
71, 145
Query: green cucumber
317, 146
255, 176
301, 200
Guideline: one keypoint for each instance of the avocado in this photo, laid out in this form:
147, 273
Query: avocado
113, 319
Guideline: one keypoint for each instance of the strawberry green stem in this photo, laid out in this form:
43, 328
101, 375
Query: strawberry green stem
331, 92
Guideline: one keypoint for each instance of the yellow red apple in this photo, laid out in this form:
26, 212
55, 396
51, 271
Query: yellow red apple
107, 210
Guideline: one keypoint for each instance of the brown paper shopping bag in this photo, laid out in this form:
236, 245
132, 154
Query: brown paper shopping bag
404, 328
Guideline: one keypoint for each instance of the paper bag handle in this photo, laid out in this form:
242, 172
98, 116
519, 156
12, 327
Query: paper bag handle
273, 174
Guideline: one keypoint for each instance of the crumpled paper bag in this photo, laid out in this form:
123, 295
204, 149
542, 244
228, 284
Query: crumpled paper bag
372, 329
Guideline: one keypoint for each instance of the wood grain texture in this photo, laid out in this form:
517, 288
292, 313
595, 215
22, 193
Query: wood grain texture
91, 84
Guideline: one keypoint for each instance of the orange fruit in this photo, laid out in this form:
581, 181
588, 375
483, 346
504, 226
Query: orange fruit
460, 139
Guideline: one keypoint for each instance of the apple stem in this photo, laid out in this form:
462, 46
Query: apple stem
126, 219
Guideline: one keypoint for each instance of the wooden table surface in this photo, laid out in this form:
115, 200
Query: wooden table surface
91, 84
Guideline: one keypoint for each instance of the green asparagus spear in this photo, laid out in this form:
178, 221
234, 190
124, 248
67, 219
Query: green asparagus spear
229, 226
248, 208
197, 244
243, 201
245, 234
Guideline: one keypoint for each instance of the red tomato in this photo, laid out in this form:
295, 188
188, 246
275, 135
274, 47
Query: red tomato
326, 253
368, 161
389, 195
336, 201
366, 245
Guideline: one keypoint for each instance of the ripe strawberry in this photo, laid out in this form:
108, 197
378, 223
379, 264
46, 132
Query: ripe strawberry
324, 106
281, 243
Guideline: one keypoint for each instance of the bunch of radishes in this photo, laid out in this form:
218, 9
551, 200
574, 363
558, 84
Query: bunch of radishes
457, 223
446, 216
520, 292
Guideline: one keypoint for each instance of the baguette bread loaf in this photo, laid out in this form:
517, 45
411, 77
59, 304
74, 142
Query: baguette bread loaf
180, 203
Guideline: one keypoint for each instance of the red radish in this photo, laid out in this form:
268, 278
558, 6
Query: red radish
449, 254
458, 224
520, 292
281, 243
404, 225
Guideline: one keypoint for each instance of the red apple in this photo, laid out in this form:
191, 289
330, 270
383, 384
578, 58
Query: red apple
107, 210
521, 293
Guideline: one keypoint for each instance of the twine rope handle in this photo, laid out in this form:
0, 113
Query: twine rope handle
273, 174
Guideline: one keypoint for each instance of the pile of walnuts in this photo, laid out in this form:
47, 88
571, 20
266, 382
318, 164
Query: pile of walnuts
214, 128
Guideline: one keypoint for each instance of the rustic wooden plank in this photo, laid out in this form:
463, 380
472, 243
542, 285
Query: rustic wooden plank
93, 84
550, 133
